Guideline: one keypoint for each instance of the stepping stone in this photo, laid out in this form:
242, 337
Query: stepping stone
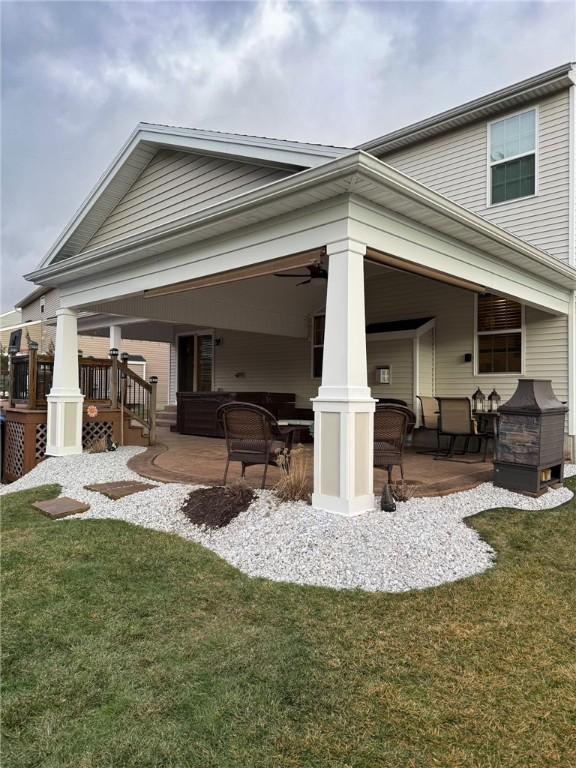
62, 507
118, 490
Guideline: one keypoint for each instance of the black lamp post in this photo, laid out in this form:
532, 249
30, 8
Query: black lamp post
479, 401
153, 380
124, 357
494, 401
113, 352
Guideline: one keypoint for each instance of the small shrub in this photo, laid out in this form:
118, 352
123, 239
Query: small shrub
294, 484
216, 507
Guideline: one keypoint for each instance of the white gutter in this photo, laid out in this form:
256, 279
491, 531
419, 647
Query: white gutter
353, 165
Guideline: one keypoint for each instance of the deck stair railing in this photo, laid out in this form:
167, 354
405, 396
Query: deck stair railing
103, 381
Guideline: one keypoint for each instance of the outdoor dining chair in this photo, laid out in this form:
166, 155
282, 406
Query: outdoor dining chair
252, 436
390, 430
455, 420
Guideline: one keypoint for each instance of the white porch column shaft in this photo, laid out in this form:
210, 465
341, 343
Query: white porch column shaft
572, 375
65, 399
344, 408
116, 337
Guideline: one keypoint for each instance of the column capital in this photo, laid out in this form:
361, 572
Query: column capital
65, 312
346, 245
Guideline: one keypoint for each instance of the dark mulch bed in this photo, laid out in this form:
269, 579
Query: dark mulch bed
216, 507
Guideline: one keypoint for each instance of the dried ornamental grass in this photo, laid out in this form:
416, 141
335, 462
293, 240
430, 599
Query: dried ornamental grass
98, 445
403, 490
294, 483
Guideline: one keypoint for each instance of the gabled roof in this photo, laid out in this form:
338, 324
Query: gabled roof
358, 173
500, 101
142, 145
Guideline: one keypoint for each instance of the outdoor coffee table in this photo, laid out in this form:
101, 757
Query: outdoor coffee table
302, 429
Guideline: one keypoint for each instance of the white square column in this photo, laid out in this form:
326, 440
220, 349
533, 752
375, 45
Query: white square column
344, 407
65, 399
116, 337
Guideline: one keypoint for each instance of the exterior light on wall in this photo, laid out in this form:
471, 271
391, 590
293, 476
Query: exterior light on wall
479, 401
383, 374
494, 401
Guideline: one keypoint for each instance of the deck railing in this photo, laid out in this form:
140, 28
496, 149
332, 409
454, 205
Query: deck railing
103, 381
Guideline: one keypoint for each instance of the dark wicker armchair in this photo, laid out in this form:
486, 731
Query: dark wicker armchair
390, 430
252, 436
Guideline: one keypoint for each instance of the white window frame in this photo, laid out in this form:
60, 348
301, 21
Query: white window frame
203, 332
42, 304
521, 331
318, 313
491, 163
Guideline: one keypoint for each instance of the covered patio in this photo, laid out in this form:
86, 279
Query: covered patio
391, 250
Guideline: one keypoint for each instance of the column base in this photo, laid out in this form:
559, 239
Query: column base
64, 417
343, 454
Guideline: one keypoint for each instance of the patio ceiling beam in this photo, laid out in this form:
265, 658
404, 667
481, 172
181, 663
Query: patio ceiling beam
393, 262
263, 269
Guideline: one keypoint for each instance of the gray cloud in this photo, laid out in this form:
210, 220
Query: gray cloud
77, 77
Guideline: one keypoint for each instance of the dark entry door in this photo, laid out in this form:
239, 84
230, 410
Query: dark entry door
186, 347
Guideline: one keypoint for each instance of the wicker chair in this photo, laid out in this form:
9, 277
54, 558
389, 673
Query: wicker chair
455, 420
404, 408
390, 430
252, 436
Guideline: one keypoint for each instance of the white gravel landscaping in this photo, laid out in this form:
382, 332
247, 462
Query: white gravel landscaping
423, 544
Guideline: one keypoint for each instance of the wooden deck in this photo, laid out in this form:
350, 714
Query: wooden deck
200, 460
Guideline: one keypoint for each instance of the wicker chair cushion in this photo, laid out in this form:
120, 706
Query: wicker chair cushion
256, 446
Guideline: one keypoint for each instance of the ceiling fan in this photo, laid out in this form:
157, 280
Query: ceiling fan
316, 274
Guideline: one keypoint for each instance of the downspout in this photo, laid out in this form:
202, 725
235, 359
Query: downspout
572, 262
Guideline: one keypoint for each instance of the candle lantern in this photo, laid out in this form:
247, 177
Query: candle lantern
478, 401
494, 400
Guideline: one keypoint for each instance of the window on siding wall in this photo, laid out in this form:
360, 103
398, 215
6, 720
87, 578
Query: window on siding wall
204, 362
499, 327
513, 157
318, 324
42, 304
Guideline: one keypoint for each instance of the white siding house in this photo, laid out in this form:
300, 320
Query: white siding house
188, 230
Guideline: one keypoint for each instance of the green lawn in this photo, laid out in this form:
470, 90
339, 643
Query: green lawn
126, 647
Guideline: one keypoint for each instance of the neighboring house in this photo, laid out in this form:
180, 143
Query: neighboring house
12, 321
441, 259
37, 314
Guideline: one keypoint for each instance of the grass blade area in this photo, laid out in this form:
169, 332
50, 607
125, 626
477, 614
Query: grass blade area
126, 647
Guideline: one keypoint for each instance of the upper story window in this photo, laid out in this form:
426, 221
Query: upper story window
499, 325
512, 157
42, 304
318, 325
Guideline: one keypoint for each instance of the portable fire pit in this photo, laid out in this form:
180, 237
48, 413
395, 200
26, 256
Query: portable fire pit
530, 448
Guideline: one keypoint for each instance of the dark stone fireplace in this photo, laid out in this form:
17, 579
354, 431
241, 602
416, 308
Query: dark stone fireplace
530, 449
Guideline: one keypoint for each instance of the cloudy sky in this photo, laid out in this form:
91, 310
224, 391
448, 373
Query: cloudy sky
78, 76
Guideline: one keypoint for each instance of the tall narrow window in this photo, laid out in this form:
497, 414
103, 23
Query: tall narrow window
318, 326
42, 304
499, 325
205, 360
513, 157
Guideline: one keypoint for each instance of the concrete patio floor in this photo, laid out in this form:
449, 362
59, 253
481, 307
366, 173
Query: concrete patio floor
200, 460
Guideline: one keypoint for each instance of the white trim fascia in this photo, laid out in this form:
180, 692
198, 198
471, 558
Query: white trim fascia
536, 152
245, 147
25, 324
352, 166
531, 89
572, 176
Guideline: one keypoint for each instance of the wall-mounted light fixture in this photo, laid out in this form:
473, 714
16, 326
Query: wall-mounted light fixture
383, 374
